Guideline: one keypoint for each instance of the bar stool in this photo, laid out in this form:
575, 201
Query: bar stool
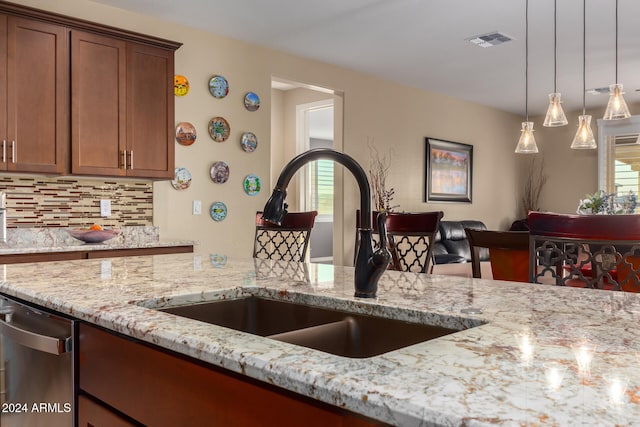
591, 251
288, 241
508, 253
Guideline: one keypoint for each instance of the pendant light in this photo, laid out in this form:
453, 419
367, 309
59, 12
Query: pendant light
584, 136
616, 108
555, 114
527, 142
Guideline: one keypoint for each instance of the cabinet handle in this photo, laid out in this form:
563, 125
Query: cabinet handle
13, 151
131, 160
40, 342
124, 159
4, 151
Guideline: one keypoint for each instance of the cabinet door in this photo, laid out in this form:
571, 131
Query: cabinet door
98, 90
150, 111
37, 96
3, 92
92, 414
158, 388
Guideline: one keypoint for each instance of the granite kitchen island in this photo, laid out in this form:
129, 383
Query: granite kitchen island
532, 355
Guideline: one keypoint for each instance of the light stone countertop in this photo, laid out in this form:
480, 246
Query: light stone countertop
545, 355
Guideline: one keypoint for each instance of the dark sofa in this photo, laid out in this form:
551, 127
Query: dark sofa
451, 245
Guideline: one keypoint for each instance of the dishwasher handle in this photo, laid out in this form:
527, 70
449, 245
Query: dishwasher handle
44, 343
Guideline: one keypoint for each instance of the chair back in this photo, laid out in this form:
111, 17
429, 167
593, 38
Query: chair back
592, 251
508, 253
288, 241
411, 237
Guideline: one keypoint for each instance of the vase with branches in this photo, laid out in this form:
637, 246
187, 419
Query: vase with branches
378, 171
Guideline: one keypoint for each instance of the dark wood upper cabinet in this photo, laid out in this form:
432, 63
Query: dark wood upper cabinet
119, 118
122, 107
34, 128
98, 104
3, 91
150, 109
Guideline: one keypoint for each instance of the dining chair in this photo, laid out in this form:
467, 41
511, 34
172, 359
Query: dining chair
410, 238
288, 241
591, 251
508, 253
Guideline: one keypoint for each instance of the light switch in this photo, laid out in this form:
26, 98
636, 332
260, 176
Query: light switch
197, 207
105, 207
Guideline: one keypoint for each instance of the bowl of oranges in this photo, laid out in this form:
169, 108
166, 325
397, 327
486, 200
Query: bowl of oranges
93, 234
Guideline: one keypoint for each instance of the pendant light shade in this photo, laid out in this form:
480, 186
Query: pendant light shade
616, 107
555, 114
584, 136
527, 142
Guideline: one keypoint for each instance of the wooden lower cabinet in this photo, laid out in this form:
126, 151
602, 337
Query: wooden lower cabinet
110, 253
157, 388
104, 253
92, 414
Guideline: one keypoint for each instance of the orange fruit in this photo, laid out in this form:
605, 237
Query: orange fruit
95, 227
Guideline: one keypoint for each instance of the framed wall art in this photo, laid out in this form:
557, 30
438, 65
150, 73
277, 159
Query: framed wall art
448, 171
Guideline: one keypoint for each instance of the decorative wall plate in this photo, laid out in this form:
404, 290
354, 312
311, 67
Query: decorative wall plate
219, 129
249, 142
181, 179
252, 185
180, 85
185, 133
218, 86
218, 260
251, 101
219, 172
218, 211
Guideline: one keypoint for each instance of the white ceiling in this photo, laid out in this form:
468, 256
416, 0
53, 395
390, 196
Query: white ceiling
422, 43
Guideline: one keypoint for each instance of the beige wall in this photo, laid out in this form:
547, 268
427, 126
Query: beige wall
571, 173
394, 115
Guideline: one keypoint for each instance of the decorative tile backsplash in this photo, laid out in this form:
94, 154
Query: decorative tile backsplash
75, 202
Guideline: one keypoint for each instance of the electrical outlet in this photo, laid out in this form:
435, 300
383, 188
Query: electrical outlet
105, 208
197, 207
105, 269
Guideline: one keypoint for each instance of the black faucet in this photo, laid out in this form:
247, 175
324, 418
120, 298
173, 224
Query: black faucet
370, 264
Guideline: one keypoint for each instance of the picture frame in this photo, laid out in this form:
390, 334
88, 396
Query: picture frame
448, 171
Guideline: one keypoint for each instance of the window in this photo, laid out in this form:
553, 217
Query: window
619, 156
321, 187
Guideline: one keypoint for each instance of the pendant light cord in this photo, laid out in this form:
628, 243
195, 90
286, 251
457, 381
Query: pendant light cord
555, 46
526, 61
616, 41
584, 55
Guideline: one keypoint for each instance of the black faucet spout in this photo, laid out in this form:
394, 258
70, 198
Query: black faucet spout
370, 264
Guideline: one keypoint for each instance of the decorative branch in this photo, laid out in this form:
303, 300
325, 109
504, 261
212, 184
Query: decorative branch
536, 179
378, 171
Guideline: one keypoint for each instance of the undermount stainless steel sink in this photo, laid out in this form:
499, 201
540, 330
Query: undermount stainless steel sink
332, 331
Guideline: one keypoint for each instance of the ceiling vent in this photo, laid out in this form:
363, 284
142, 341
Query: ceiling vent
599, 91
624, 140
490, 39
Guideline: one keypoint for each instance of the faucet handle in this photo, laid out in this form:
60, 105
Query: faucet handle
381, 221
382, 255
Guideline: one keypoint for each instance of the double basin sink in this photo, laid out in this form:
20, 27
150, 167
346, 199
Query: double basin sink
328, 330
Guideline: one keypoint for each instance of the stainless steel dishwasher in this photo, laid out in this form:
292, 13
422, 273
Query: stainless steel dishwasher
36, 375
